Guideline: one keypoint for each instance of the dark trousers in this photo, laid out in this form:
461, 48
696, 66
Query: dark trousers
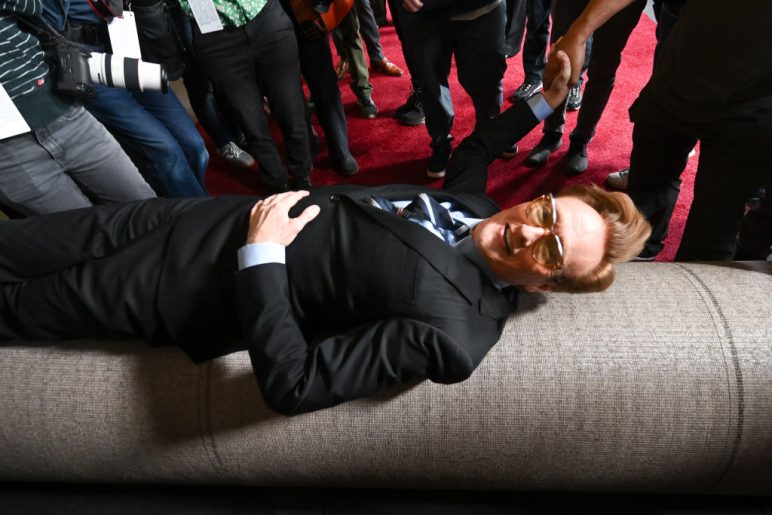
735, 158
256, 60
319, 72
608, 42
56, 283
200, 88
537, 33
478, 47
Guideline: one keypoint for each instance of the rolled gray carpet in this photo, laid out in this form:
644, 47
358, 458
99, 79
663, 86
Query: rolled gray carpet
663, 383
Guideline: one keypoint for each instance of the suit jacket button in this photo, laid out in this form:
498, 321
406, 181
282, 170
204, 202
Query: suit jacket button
334, 198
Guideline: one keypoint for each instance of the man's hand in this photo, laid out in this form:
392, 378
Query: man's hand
269, 221
558, 88
412, 6
571, 47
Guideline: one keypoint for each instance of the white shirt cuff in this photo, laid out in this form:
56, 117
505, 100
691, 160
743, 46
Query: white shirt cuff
540, 108
255, 254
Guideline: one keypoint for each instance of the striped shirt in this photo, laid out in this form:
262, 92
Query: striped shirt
22, 67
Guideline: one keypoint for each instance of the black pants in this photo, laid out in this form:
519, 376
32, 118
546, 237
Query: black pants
478, 47
607, 45
56, 281
319, 72
735, 158
256, 60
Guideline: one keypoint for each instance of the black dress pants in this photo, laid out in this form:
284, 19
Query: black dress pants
86, 273
256, 60
735, 159
607, 45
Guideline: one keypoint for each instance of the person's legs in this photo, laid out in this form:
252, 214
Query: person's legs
608, 43
721, 186
32, 182
142, 134
198, 85
369, 31
478, 46
70, 163
316, 65
536, 39
225, 55
658, 158
167, 109
94, 159
274, 50
41, 245
349, 45
428, 36
755, 239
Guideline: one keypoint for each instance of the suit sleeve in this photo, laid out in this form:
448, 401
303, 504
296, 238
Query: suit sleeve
467, 170
295, 377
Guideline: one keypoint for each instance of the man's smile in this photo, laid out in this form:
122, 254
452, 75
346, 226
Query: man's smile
507, 240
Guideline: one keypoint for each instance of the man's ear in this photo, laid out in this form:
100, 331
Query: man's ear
542, 288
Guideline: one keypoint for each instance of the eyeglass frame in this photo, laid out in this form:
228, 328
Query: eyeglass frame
550, 233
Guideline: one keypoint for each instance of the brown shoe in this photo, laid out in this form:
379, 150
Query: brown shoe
341, 68
387, 67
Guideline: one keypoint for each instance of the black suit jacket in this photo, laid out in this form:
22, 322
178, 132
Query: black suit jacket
366, 300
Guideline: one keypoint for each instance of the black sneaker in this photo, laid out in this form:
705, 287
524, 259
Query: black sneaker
575, 161
525, 91
509, 153
440, 157
411, 113
347, 165
367, 107
574, 101
539, 155
299, 183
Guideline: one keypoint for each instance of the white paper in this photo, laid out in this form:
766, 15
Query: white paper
123, 36
206, 15
11, 121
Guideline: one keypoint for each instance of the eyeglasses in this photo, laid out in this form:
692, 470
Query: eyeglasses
548, 249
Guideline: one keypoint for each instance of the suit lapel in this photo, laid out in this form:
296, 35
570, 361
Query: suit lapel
453, 265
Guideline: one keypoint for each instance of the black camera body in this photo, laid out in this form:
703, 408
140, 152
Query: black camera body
77, 70
73, 76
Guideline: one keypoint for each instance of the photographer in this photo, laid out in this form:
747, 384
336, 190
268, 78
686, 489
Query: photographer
152, 126
66, 159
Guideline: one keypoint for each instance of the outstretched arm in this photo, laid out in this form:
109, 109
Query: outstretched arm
467, 170
575, 39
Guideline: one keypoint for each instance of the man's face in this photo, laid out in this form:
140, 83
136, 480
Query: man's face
505, 240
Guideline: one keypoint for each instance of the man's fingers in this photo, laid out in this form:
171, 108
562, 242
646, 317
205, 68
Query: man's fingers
565, 66
306, 216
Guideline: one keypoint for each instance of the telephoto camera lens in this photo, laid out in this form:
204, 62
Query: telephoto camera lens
127, 72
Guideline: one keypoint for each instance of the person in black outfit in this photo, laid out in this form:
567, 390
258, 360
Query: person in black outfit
715, 90
334, 295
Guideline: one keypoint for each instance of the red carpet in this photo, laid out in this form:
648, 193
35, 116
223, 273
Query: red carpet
390, 153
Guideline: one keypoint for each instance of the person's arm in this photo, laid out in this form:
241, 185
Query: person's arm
574, 40
295, 377
467, 169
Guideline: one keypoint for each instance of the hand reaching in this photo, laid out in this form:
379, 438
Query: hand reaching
557, 90
571, 47
269, 220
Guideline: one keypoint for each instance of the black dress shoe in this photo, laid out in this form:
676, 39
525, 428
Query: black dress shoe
367, 107
347, 165
510, 152
299, 183
575, 161
539, 155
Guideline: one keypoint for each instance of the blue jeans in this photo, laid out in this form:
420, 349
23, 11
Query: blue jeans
154, 128
71, 163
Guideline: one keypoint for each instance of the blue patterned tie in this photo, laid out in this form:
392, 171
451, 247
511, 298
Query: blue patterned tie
425, 209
